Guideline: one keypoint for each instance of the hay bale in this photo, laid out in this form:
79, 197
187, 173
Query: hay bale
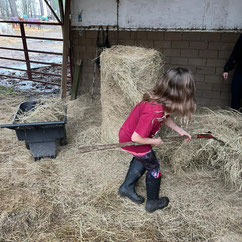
126, 73
225, 159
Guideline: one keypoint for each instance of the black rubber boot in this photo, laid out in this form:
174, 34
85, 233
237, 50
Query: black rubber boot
153, 201
127, 189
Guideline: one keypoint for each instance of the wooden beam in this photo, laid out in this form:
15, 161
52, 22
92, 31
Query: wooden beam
65, 49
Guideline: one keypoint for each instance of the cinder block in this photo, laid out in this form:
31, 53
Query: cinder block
89, 41
74, 41
199, 93
221, 45
206, 70
203, 53
217, 86
200, 45
133, 35
141, 35
167, 62
213, 78
216, 62
91, 34
189, 53
226, 87
81, 41
203, 101
179, 60
124, 35
180, 44
226, 95
209, 36
219, 70
112, 35
224, 54
230, 37
208, 53
83, 33
74, 33
209, 94
196, 62
173, 35
90, 55
172, 52
199, 78
193, 69
128, 42
162, 44
191, 36
80, 48
146, 43
218, 102
155, 35
204, 86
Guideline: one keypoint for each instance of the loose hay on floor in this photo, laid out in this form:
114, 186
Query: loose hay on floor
126, 73
74, 197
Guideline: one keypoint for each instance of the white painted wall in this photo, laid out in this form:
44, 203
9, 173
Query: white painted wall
160, 14
94, 12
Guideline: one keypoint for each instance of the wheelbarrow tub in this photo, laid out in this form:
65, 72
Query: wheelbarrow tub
40, 138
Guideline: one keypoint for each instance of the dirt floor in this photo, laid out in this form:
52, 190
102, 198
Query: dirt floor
74, 197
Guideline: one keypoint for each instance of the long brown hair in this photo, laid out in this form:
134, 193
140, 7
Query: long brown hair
176, 91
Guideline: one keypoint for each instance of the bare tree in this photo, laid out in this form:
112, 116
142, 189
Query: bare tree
13, 8
28, 7
3, 9
25, 7
7, 9
41, 7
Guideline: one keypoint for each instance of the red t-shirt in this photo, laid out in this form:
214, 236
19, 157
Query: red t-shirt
143, 121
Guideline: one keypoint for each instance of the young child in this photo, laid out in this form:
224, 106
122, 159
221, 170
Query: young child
172, 94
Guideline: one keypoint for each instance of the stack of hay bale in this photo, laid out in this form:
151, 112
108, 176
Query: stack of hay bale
126, 73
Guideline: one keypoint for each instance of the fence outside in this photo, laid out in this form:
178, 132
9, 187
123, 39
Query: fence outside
26, 51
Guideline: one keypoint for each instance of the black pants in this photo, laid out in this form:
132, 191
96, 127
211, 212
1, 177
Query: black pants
236, 89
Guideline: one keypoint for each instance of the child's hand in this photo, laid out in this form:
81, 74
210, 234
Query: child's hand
184, 133
225, 75
157, 141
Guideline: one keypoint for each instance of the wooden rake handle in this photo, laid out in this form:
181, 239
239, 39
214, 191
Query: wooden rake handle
90, 148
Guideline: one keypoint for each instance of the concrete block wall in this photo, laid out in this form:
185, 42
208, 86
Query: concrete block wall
204, 53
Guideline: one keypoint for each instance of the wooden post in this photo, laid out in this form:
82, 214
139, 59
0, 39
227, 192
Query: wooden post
65, 49
76, 81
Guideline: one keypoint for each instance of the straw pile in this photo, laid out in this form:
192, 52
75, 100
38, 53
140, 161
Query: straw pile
225, 156
74, 197
46, 110
126, 73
